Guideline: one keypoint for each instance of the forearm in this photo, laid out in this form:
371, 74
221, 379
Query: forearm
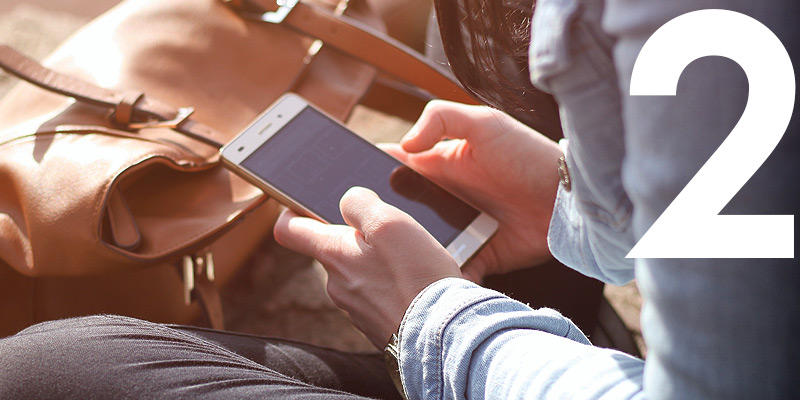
459, 340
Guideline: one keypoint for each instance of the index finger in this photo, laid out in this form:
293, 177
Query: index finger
448, 120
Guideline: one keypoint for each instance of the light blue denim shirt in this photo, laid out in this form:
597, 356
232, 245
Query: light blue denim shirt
715, 328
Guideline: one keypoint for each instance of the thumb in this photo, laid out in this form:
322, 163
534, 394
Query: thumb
363, 210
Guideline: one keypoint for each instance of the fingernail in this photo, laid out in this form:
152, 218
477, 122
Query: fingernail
360, 189
411, 134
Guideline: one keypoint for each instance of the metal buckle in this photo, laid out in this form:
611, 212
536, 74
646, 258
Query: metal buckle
194, 267
180, 117
273, 17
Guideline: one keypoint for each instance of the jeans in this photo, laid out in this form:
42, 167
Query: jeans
121, 357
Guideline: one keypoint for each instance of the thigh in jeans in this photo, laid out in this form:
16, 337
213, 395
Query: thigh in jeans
113, 357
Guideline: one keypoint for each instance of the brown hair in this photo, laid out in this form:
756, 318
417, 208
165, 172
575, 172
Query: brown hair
486, 43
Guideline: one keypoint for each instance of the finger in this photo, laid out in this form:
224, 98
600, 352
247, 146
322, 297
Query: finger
434, 165
394, 150
444, 120
363, 210
429, 163
308, 236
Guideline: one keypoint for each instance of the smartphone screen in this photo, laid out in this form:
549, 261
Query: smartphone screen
315, 160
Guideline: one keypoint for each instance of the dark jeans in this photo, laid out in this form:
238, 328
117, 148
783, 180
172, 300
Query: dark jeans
121, 357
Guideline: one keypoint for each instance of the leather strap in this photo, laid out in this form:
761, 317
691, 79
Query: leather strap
143, 111
376, 48
208, 294
360, 41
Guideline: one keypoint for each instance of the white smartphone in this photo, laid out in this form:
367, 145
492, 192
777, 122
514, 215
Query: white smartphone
307, 161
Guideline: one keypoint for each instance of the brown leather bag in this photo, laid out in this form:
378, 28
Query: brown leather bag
106, 192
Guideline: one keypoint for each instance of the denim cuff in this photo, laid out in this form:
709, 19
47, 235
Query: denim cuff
447, 324
570, 243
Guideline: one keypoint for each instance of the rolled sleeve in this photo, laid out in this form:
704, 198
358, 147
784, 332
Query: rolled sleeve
571, 241
460, 340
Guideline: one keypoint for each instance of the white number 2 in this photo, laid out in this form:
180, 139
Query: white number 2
691, 227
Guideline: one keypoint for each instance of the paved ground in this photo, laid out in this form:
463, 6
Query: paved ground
279, 293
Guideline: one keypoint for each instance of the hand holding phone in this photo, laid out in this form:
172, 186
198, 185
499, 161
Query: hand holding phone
307, 161
496, 163
376, 264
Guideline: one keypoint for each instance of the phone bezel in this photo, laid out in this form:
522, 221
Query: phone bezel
274, 118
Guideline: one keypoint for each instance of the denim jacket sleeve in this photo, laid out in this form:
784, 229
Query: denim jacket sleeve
459, 340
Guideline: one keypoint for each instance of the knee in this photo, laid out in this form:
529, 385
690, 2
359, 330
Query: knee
63, 334
39, 359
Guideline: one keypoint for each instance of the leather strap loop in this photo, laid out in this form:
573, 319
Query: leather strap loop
124, 111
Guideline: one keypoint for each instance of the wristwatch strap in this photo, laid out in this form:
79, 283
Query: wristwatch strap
391, 357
